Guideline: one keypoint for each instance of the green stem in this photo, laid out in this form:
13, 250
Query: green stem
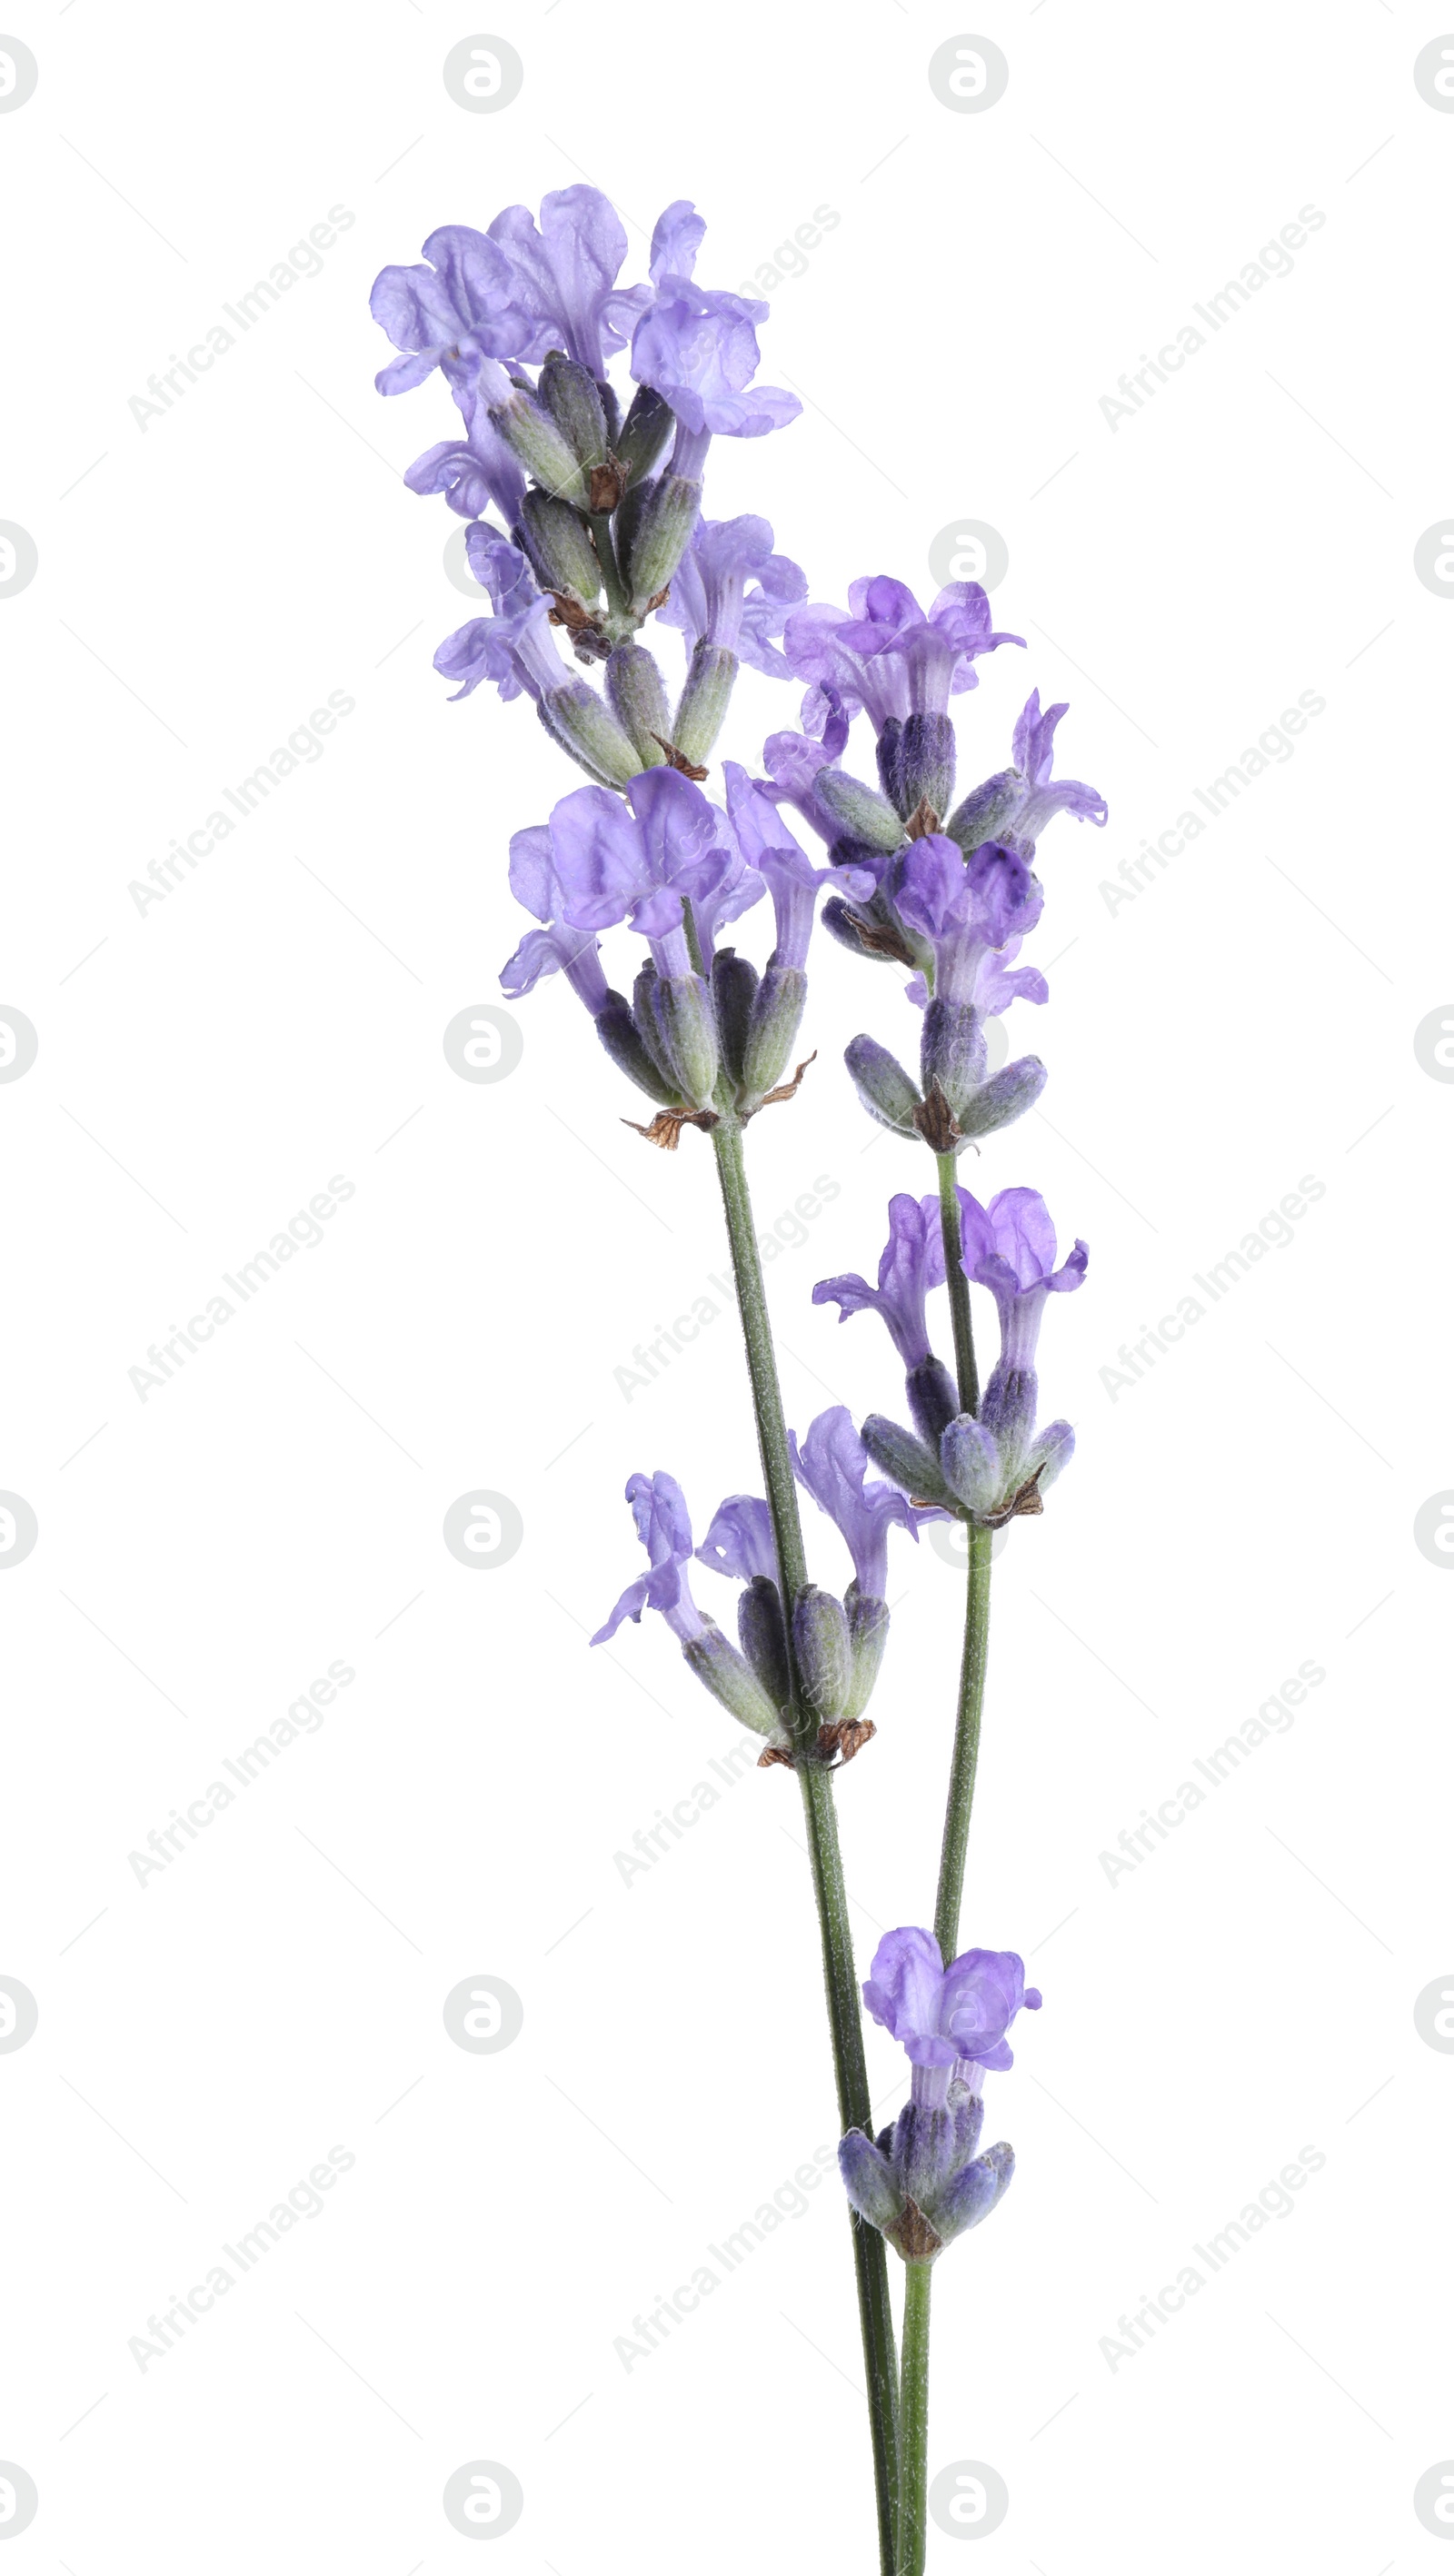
815, 1783
616, 599
977, 1602
914, 2420
965, 1369
965, 1758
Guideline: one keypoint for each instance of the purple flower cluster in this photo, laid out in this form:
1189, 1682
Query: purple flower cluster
990, 1466
921, 2182
832, 1647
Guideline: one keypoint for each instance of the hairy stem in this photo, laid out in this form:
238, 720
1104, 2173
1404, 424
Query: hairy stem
964, 1367
820, 1819
914, 2420
965, 1759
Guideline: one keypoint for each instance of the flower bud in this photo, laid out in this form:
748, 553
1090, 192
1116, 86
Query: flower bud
868, 1630
730, 1679
702, 706
644, 433
838, 920
637, 694
905, 1460
773, 1024
686, 1035
886, 1091
571, 395
734, 983
953, 1052
764, 1638
530, 433
916, 763
933, 1399
983, 814
621, 1039
555, 539
643, 1020
861, 810
820, 1644
585, 727
970, 1458
1006, 1096
660, 537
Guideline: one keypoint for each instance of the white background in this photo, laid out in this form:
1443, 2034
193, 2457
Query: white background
204, 582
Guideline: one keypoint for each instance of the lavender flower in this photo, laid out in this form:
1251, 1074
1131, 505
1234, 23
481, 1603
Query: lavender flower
697, 348
921, 2182
663, 1525
1016, 804
739, 1541
768, 846
994, 1465
558, 948
730, 590
563, 275
947, 2017
884, 654
962, 908
460, 306
832, 1465
911, 1263
472, 471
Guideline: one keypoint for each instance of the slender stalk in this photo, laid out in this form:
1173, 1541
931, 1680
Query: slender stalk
965, 1759
820, 1819
914, 2421
975, 1652
964, 1366
615, 588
